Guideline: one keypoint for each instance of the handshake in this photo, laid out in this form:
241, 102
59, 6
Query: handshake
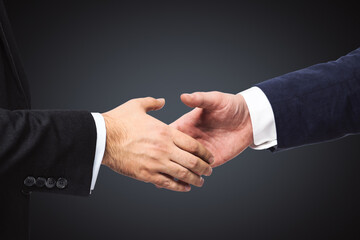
175, 156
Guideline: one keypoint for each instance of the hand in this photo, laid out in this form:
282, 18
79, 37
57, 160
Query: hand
144, 148
220, 121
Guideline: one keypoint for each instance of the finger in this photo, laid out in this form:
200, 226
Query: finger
208, 100
177, 171
190, 145
165, 181
181, 120
151, 104
176, 180
191, 162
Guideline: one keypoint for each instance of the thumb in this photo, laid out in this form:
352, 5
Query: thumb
151, 104
208, 100
175, 124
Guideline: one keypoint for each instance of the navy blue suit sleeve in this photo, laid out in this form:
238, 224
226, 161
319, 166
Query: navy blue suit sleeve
316, 104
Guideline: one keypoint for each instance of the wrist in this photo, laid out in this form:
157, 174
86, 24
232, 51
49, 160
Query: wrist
107, 158
249, 128
246, 126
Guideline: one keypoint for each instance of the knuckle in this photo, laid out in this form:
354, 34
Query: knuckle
179, 188
166, 183
183, 173
144, 174
134, 100
164, 131
216, 93
193, 163
157, 182
130, 101
149, 98
195, 147
157, 186
159, 152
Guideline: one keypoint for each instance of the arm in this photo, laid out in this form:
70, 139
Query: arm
315, 104
61, 144
49, 144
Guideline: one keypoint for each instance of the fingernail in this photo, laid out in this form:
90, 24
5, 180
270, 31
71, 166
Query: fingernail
187, 188
202, 181
210, 171
211, 160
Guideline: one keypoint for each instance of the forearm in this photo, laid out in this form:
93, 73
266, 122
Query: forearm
317, 103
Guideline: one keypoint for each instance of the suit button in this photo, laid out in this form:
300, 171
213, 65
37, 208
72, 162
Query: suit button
61, 183
40, 182
50, 183
29, 181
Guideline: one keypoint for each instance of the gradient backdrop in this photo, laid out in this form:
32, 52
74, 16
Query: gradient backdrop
95, 55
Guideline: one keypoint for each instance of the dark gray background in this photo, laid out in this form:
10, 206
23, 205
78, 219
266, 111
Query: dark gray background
95, 55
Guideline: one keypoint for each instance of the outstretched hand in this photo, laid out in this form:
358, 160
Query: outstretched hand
144, 148
220, 121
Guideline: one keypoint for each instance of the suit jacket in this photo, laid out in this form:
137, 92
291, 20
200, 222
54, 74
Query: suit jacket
50, 151
318, 103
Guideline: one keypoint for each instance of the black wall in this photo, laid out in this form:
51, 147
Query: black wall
95, 55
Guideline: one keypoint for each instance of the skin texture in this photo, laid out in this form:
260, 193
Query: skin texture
220, 121
144, 148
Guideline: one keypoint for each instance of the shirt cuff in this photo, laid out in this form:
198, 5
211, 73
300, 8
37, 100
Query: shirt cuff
100, 146
262, 118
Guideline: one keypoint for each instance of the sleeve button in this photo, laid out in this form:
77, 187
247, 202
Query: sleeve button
61, 183
50, 183
40, 182
29, 181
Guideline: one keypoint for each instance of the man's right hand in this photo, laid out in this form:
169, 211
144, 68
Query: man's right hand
220, 121
144, 148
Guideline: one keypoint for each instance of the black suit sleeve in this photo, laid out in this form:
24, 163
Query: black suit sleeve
48, 144
318, 103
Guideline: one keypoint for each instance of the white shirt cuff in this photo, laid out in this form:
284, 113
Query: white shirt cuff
262, 118
100, 146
